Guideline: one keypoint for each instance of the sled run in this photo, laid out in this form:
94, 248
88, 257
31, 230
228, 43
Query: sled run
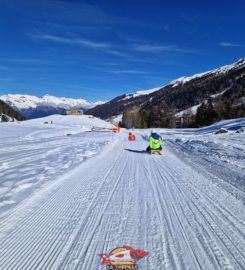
184, 212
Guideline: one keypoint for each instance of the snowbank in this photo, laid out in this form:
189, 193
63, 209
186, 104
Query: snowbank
222, 155
34, 154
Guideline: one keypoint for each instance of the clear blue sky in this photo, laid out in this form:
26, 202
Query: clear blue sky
98, 49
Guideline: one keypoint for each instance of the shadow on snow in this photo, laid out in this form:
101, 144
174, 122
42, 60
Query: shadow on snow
137, 151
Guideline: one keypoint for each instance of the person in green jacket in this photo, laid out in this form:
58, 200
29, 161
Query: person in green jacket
155, 141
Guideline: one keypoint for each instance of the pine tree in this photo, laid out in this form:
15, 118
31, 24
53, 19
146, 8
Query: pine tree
211, 116
228, 111
201, 115
206, 114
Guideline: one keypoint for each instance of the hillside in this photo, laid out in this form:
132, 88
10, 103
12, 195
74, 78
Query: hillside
7, 114
170, 105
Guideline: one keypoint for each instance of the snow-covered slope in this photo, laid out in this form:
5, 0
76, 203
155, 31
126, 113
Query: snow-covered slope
35, 151
222, 70
185, 208
6, 118
81, 121
32, 106
142, 93
221, 155
192, 110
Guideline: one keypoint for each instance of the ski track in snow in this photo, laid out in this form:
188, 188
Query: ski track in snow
120, 197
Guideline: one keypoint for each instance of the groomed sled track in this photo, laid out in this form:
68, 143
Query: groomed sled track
120, 197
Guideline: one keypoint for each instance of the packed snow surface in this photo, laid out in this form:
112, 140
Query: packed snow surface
35, 151
67, 199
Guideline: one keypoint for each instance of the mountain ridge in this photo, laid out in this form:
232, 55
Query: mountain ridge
225, 83
33, 107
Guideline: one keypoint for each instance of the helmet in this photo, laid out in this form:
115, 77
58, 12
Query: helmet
130, 133
153, 131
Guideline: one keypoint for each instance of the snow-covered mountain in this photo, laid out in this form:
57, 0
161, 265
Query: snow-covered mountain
34, 107
8, 114
224, 85
219, 71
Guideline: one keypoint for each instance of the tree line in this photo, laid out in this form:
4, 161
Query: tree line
164, 116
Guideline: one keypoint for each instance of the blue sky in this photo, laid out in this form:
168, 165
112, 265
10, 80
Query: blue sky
99, 49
